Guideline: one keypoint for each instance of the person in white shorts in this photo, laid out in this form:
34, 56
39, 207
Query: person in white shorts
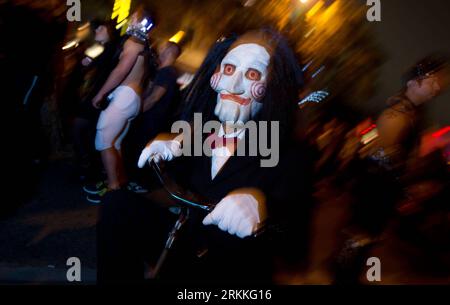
122, 90
114, 121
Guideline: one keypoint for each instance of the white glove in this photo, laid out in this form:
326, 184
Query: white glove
160, 150
239, 214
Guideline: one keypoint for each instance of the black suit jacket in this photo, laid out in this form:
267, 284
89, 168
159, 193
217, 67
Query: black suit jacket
287, 186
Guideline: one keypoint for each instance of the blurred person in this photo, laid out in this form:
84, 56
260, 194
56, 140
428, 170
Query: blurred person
121, 102
398, 126
164, 87
219, 246
382, 164
96, 72
29, 58
423, 210
158, 110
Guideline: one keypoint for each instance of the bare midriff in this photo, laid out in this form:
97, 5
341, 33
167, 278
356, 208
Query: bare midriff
134, 78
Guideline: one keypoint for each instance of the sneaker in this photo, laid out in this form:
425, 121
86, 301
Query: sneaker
136, 188
95, 188
97, 198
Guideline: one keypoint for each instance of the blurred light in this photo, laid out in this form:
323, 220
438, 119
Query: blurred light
441, 132
329, 13
314, 9
83, 32
121, 11
307, 65
33, 84
119, 25
84, 26
369, 134
368, 129
249, 3
177, 37
318, 72
315, 97
146, 28
310, 32
94, 51
70, 44
303, 1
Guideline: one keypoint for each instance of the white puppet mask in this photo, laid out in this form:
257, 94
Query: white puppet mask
241, 83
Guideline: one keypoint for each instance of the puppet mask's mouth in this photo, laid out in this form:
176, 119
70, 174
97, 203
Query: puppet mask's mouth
236, 99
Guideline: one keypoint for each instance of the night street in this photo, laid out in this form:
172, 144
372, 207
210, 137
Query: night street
266, 142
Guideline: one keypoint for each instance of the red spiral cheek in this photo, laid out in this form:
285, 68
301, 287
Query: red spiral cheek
258, 90
215, 79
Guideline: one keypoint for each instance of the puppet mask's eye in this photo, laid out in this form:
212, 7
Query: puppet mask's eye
229, 69
253, 74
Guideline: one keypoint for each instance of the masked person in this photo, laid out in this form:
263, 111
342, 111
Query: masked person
249, 79
120, 98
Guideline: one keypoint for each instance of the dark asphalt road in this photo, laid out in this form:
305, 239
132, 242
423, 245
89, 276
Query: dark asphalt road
58, 223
